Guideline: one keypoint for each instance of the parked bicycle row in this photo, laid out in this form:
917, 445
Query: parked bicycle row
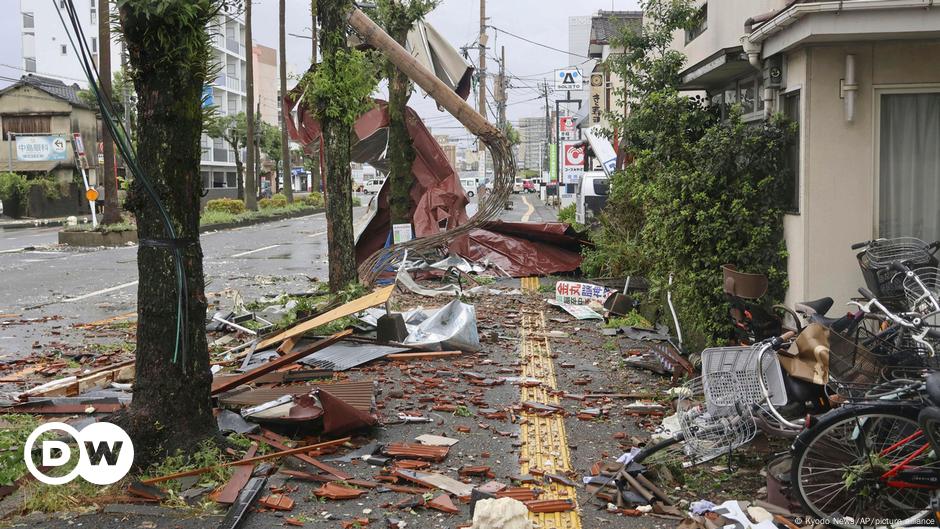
858, 394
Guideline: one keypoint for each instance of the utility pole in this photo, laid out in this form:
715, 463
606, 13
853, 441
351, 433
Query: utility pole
107, 176
251, 188
501, 89
548, 127
285, 142
482, 85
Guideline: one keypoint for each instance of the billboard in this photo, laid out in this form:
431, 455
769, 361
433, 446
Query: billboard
552, 163
569, 79
566, 128
572, 162
46, 148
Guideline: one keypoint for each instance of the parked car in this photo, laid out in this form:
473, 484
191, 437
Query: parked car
592, 196
469, 185
529, 186
374, 186
518, 186
1, 208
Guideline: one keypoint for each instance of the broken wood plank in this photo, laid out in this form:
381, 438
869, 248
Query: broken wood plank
288, 345
302, 456
47, 408
278, 362
73, 386
377, 297
423, 355
240, 477
272, 455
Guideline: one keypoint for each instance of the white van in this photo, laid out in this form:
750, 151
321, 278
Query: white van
592, 196
374, 186
469, 185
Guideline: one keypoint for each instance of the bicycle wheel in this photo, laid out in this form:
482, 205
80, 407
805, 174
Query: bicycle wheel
838, 464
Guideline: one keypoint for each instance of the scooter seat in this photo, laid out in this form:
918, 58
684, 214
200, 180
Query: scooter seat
933, 388
817, 306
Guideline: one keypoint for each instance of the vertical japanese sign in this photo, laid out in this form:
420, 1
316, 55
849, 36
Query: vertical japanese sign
552, 162
598, 97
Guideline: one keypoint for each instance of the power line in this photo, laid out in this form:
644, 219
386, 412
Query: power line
539, 43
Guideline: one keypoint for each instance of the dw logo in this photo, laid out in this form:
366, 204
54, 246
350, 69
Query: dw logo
105, 453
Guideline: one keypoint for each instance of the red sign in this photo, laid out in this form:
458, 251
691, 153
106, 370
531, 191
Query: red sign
574, 155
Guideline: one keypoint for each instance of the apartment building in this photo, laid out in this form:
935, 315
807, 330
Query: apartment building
862, 80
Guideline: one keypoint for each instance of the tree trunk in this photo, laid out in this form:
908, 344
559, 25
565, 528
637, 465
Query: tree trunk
401, 153
239, 175
112, 209
337, 139
251, 186
171, 408
285, 142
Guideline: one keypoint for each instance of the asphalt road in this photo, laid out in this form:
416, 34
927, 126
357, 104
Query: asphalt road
40, 280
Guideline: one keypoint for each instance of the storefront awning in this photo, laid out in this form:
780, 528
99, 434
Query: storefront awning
717, 70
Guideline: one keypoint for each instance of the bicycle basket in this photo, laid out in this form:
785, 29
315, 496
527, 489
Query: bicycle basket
923, 289
730, 377
876, 260
707, 435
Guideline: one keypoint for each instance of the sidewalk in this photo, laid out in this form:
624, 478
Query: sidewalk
8, 223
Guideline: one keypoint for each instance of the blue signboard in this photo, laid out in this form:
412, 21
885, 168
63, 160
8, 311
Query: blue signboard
208, 98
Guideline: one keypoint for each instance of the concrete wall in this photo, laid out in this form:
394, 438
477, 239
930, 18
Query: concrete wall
839, 169
725, 27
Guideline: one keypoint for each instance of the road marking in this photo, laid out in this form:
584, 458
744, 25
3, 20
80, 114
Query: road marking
530, 211
317, 234
242, 254
544, 441
99, 292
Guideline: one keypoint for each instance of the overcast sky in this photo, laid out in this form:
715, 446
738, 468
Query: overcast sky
543, 21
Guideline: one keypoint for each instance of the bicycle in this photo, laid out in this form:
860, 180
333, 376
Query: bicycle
869, 463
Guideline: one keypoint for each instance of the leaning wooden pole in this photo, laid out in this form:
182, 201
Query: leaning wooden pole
501, 151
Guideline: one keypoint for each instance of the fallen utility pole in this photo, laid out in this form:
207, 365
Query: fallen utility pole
503, 163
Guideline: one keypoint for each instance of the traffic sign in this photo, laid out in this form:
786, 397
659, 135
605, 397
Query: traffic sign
572, 161
569, 79
91, 194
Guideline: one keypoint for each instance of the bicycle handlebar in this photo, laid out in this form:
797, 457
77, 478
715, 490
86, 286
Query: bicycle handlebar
860, 245
866, 293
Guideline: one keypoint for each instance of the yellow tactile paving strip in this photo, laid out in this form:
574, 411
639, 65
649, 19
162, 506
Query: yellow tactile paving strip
544, 442
530, 283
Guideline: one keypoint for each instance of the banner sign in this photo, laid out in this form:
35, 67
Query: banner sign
598, 97
572, 293
552, 163
41, 148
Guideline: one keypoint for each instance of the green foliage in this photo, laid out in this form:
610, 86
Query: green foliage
701, 192
271, 141
314, 199
14, 192
14, 429
567, 213
342, 86
511, 134
277, 201
205, 454
226, 205
356, 202
232, 129
633, 319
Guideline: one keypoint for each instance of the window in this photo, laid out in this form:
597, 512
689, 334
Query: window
94, 45
218, 179
27, 125
699, 24
230, 178
94, 12
791, 109
64, 49
29, 64
909, 166
206, 179
29, 22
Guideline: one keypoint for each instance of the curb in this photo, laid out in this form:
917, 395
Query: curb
80, 241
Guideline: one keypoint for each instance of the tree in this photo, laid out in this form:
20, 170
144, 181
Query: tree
119, 84
339, 91
271, 146
169, 49
284, 143
112, 210
233, 130
397, 18
251, 176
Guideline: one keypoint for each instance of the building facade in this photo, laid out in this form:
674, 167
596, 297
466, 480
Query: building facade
532, 142
45, 50
861, 78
